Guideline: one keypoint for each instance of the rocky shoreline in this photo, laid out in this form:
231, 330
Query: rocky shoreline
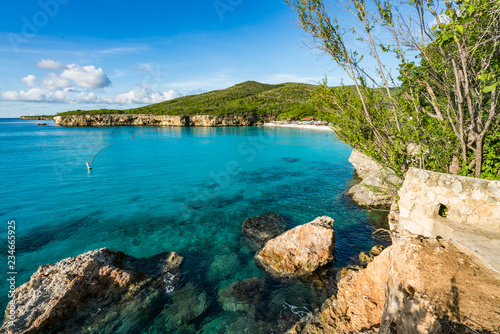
416, 285
158, 120
37, 118
430, 280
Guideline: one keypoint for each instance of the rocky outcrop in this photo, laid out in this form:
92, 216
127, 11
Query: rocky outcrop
89, 292
158, 120
417, 285
364, 165
358, 304
37, 118
299, 251
258, 230
379, 184
436, 286
463, 209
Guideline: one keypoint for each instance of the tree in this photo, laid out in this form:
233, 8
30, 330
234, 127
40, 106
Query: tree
451, 90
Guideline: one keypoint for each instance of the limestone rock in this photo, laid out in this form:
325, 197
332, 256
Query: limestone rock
417, 285
369, 193
258, 230
378, 187
376, 250
358, 305
158, 120
472, 208
364, 165
434, 286
89, 291
299, 251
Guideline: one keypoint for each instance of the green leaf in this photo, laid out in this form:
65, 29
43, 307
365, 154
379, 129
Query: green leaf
459, 28
489, 88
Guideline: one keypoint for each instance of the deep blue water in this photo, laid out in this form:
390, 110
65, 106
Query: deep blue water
175, 189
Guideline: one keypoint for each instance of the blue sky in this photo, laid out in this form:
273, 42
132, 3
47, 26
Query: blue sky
59, 55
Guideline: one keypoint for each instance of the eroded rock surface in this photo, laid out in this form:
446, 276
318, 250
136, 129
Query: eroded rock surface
358, 304
417, 285
364, 165
157, 120
379, 184
258, 230
299, 251
90, 292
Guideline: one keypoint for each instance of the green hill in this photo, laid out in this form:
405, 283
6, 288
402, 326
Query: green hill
287, 100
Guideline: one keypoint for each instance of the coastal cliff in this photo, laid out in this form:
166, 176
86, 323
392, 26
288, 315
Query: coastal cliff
37, 118
159, 120
440, 275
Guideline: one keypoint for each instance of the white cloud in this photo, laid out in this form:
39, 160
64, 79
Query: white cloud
47, 64
145, 96
67, 95
54, 82
29, 80
86, 76
73, 85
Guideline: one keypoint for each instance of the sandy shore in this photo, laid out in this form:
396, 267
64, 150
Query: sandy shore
301, 126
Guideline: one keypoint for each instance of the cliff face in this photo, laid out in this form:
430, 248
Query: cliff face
158, 120
37, 118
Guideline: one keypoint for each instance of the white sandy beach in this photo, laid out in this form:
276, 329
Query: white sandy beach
301, 126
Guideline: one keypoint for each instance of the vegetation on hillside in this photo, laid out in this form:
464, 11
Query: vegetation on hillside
444, 115
290, 100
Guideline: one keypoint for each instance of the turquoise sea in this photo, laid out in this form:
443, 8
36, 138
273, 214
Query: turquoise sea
177, 189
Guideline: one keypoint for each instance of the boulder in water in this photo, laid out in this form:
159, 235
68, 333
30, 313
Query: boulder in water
299, 251
92, 291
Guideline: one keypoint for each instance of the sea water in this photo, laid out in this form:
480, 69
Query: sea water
186, 190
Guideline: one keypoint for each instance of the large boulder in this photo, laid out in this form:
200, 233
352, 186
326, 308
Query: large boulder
417, 285
93, 291
299, 251
258, 230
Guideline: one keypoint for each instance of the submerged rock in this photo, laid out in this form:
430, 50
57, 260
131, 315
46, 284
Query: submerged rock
187, 304
258, 230
91, 292
299, 251
223, 266
242, 295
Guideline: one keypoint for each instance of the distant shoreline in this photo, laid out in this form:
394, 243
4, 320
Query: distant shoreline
300, 126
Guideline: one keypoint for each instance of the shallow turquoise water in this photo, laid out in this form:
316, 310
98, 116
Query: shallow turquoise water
177, 189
